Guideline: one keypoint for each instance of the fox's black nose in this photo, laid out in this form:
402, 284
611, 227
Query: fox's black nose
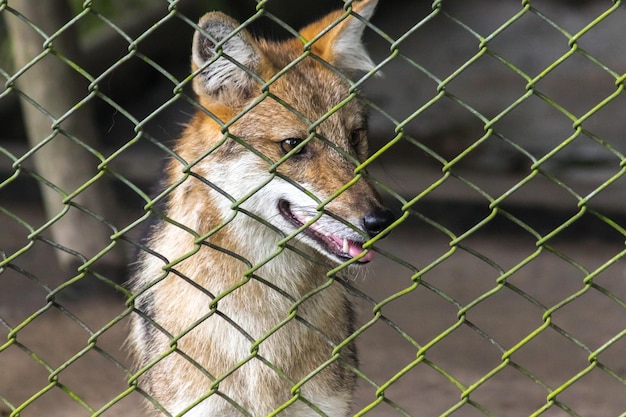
377, 221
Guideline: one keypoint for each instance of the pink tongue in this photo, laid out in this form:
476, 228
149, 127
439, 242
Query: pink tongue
355, 249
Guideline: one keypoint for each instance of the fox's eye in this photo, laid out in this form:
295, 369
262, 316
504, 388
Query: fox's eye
288, 145
356, 137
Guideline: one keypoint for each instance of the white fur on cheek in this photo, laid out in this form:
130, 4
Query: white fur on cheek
251, 177
257, 192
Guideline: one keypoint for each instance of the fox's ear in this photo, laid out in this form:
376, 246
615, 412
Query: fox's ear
342, 46
221, 78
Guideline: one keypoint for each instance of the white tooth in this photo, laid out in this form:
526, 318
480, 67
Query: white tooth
346, 247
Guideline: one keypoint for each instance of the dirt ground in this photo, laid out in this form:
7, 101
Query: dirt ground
77, 344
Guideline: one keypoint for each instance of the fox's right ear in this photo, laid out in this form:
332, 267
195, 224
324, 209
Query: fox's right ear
221, 75
339, 39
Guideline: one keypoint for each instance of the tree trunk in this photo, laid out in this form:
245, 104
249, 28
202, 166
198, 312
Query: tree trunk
63, 160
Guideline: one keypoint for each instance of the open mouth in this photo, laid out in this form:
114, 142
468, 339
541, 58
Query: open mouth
338, 246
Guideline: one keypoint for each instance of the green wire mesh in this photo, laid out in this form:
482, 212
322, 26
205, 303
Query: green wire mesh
502, 289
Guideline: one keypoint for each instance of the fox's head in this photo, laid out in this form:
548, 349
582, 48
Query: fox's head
280, 132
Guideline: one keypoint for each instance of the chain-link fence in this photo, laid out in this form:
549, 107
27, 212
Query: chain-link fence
496, 137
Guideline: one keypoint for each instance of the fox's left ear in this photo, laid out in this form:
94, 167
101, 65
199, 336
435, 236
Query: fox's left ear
342, 46
229, 79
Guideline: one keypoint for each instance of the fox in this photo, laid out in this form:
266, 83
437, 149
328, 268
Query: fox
236, 308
